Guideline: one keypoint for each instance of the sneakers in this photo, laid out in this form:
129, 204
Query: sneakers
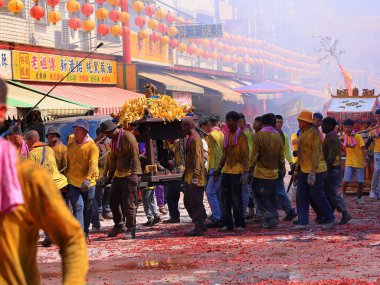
46, 242
108, 216
300, 228
101, 218
148, 223
346, 217
225, 229
240, 229
130, 234
194, 233
270, 225
116, 231
94, 230
156, 220
329, 226
214, 225
360, 201
172, 221
290, 216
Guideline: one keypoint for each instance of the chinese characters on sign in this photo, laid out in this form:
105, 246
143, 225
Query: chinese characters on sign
52, 68
5, 64
200, 31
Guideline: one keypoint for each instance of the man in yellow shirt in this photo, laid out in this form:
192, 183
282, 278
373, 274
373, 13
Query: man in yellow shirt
375, 136
124, 171
213, 188
266, 162
38, 205
82, 160
356, 160
234, 164
194, 178
311, 168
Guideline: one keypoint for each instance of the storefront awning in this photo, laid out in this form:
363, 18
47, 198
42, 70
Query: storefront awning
20, 97
105, 99
172, 83
227, 94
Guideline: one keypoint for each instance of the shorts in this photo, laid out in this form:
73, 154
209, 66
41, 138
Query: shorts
349, 174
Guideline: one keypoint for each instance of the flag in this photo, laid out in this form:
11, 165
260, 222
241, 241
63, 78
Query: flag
347, 79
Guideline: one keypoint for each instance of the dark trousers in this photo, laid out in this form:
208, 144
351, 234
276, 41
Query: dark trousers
266, 193
102, 196
315, 193
193, 199
332, 182
173, 189
232, 198
123, 199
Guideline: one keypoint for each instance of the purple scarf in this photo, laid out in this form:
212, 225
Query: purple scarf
269, 129
10, 189
349, 140
116, 143
24, 150
86, 140
236, 135
320, 134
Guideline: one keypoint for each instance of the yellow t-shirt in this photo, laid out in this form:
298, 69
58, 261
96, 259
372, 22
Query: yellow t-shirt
45, 209
215, 149
376, 140
236, 157
354, 155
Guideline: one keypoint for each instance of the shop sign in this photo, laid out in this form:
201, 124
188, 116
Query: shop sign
200, 31
5, 64
183, 98
29, 66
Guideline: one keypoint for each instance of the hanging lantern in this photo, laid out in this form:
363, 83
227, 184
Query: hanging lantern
173, 31
198, 52
190, 50
182, 47
206, 42
114, 15
227, 58
87, 9
101, 14
198, 41
152, 24
124, 17
103, 29
170, 18
174, 43
1, 3
180, 20
220, 46
150, 10
54, 17
214, 55
113, 2
165, 40
116, 30
155, 37
15, 6
205, 54
37, 12
52, 3
73, 6
162, 28
88, 25
213, 44
161, 14
140, 21
100, 2
75, 23
143, 34
138, 6
125, 31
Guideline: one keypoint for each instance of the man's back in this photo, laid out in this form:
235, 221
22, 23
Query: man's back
43, 208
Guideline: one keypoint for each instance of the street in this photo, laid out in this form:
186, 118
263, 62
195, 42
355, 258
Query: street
162, 255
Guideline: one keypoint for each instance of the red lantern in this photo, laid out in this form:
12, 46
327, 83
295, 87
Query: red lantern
140, 21
190, 50
103, 29
174, 43
125, 31
213, 44
52, 3
75, 23
1, 3
87, 9
114, 15
37, 12
214, 55
155, 37
170, 18
205, 54
162, 28
100, 2
198, 52
198, 41
150, 10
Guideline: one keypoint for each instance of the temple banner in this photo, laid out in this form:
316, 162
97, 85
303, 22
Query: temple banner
29, 66
5, 64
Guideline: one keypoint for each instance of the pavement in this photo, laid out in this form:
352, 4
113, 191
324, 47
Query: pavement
161, 254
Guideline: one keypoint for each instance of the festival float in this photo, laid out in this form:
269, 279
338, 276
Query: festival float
154, 119
361, 109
